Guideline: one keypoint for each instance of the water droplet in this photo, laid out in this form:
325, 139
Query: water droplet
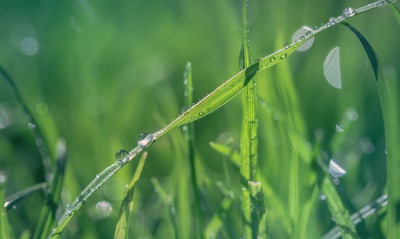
352, 114
31, 125
322, 197
339, 128
283, 56
97, 176
14, 207
301, 34
145, 139
3, 177
120, 154
335, 169
332, 21
349, 12
185, 127
286, 45
69, 208
201, 113
272, 59
332, 68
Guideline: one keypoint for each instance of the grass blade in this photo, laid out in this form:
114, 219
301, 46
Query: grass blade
4, 227
121, 229
47, 216
15, 198
248, 137
217, 220
41, 143
388, 92
191, 154
168, 202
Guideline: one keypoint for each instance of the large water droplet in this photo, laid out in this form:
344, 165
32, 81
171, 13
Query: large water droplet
300, 35
332, 68
335, 169
349, 12
121, 154
286, 45
145, 139
271, 59
69, 208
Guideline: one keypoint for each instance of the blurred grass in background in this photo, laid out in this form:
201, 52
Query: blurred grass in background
100, 73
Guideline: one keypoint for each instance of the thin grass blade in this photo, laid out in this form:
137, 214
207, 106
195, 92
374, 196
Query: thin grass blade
191, 154
17, 197
168, 203
121, 229
389, 97
4, 227
217, 220
48, 214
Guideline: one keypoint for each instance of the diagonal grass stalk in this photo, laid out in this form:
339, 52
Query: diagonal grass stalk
4, 227
207, 105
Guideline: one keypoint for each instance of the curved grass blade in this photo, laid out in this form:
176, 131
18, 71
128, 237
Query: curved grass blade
389, 97
191, 154
48, 214
4, 227
396, 12
207, 105
41, 143
15, 198
121, 230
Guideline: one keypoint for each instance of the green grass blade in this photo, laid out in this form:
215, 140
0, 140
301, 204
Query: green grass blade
389, 97
40, 140
248, 137
48, 214
169, 203
396, 12
121, 229
258, 216
4, 227
191, 154
217, 220
15, 198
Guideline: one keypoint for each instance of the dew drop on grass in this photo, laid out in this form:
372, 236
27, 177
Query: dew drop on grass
286, 45
339, 128
145, 139
201, 113
31, 125
271, 59
69, 208
332, 68
322, 197
283, 56
335, 169
349, 12
300, 35
120, 154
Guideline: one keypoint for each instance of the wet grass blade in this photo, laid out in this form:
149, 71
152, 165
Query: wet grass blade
17, 197
396, 12
389, 97
191, 154
48, 215
121, 229
40, 140
4, 227
167, 200
248, 137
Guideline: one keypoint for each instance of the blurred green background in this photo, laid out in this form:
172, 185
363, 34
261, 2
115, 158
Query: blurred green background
99, 73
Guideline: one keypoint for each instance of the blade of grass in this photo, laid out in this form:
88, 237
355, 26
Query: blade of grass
207, 105
189, 136
248, 136
217, 220
169, 203
121, 229
48, 214
4, 227
389, 97
40, 140
15, 198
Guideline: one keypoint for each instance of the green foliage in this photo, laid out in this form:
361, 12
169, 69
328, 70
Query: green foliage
98, 77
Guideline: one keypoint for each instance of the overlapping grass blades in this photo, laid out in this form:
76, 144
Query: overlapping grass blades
122, 229
389, 97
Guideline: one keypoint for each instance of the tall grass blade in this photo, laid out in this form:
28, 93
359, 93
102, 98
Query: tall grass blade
258, 216
396, 12
40, 140
248, 137
217, 220
389, 97
48, 215
191, 154
121, 229
4, 227
15, 198
167, 200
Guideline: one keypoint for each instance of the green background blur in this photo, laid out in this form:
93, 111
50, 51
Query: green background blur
99, 73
